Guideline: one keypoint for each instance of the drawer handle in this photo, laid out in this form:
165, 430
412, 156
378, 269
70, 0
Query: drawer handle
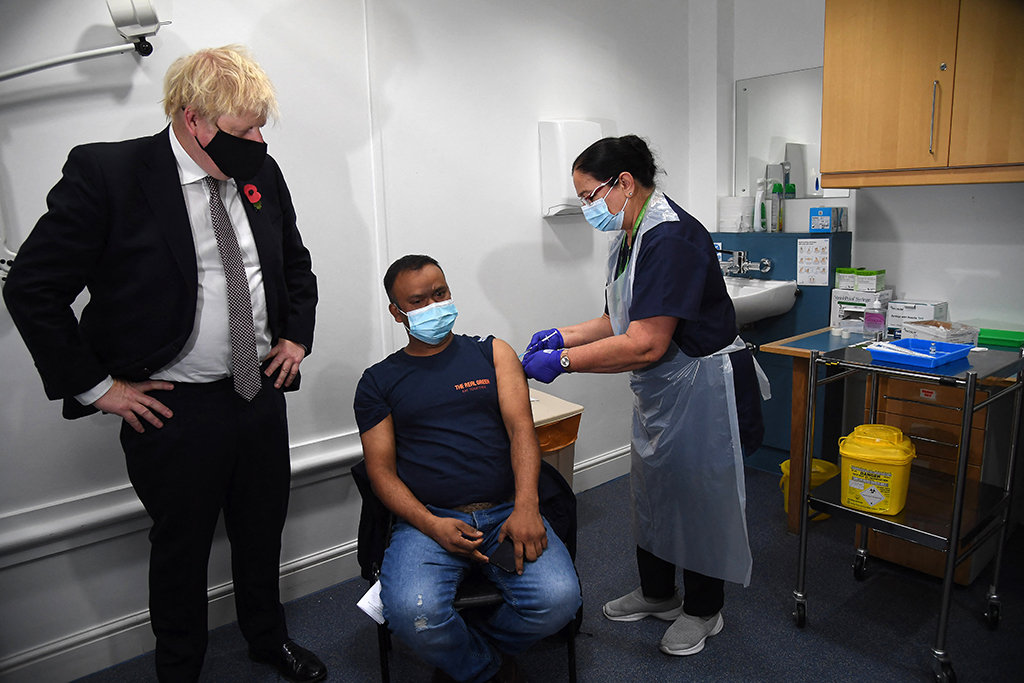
929, 404
931, 133
934, 441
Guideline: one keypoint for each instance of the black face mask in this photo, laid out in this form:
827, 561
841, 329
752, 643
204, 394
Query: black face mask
236, 157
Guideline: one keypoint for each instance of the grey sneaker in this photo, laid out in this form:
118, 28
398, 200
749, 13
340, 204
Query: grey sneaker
634, 607
687, 634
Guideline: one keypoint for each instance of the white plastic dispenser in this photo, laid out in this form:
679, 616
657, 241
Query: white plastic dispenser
561, 141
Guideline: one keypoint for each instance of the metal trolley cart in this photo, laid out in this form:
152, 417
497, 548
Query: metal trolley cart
976, 511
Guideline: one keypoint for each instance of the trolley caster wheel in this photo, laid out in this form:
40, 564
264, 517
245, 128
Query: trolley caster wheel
860, 565
800, 614
992, 615
947, 675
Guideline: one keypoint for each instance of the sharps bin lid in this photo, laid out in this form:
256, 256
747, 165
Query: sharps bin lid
877, 443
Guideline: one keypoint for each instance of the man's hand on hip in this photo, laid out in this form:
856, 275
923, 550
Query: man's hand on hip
130, 401
529, 537
286, 355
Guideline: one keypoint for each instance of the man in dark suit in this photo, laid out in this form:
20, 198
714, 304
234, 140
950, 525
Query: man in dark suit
201, 309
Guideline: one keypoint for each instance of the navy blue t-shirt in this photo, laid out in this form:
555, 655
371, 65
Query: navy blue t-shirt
677, 274
451, 442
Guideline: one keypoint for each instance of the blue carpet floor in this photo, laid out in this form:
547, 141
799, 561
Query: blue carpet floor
880, 630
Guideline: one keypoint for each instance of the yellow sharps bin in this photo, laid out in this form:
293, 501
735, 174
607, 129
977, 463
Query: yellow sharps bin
875, 469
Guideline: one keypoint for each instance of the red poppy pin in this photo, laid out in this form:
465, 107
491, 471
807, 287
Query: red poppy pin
254, 196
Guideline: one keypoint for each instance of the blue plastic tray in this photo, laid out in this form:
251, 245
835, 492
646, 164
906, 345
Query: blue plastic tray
944, 353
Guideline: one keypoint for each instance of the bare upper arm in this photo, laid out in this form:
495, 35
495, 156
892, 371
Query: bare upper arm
513, 391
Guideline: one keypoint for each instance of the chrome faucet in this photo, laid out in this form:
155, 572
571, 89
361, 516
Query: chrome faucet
739, 264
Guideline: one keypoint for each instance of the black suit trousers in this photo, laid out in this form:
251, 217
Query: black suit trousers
217, 453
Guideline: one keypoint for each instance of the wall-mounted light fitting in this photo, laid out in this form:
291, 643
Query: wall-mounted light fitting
135, 20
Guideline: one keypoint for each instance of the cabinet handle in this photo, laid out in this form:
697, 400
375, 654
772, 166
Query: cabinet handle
931, 133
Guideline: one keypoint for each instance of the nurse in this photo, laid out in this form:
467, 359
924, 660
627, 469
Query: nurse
670, 323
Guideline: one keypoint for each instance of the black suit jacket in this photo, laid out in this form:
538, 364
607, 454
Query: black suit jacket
117, 224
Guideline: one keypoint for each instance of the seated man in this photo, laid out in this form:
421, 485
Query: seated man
450, 449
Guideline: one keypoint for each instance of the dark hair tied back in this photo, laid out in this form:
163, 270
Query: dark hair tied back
609, 157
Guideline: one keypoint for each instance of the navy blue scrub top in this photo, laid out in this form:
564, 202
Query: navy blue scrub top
677, 274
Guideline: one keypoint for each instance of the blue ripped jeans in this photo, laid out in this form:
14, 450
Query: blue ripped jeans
418, 583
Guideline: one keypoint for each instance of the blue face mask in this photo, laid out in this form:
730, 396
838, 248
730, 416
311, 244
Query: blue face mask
598, 215
432, 324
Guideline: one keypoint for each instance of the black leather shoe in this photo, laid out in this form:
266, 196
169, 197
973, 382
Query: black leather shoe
294, 662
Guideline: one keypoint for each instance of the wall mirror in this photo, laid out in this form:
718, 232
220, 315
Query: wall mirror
770, 112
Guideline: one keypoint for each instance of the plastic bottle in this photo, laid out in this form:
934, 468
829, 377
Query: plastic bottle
778, 212
874, 317
762, 208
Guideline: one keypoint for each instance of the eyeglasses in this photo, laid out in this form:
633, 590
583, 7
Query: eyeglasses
589, 199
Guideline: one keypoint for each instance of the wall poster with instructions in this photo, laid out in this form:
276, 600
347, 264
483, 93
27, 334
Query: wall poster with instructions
812, 262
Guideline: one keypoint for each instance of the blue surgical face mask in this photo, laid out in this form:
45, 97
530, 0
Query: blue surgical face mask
598, 215
431, 324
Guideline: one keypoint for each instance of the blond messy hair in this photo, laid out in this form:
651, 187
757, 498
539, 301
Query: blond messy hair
219, 81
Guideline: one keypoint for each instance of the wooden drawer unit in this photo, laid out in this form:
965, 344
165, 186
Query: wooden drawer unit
927, 401
935, 440
929, 415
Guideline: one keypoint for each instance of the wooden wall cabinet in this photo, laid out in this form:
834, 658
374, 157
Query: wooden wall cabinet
920, 92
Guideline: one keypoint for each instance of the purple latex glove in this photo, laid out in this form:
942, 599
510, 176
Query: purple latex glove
545, 339
544, 365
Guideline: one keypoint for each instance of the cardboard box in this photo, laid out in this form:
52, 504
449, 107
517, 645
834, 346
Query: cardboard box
828, 219
847, 309
942, 331
912, 311
870, 280
846, 278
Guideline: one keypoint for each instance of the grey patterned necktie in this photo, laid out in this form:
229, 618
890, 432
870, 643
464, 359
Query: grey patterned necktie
244, 357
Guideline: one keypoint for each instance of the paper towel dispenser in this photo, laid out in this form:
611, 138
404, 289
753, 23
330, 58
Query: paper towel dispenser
561, 141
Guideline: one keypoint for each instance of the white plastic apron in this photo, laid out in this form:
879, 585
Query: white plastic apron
686, 473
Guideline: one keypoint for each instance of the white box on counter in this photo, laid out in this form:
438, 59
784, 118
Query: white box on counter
909, 311
848, 307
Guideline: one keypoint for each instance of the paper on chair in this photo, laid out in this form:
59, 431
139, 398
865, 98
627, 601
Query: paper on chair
371, 604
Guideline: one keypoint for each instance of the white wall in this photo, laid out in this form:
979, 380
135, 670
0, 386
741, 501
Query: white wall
406, 127
959, 243
776, 37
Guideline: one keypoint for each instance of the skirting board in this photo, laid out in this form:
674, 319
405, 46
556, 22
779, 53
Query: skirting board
600, 469
131, 636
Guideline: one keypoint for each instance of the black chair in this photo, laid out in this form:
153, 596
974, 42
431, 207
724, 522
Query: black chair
557, 504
